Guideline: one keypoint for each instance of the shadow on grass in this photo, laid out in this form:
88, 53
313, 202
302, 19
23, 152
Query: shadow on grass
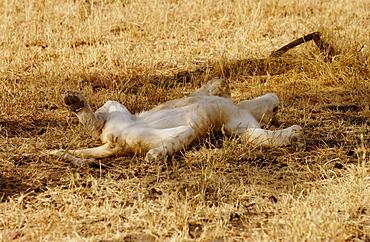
28, 127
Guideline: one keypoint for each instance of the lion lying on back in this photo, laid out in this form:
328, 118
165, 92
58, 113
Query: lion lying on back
175, 125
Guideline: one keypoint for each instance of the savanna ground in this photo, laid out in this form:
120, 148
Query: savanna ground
142, 53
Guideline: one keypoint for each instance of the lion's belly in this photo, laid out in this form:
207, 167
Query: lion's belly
201, 113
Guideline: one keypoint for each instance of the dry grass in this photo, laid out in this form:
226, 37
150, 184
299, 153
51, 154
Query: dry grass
142, 53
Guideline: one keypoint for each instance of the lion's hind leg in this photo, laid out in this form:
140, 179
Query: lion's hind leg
262, 108
290, 136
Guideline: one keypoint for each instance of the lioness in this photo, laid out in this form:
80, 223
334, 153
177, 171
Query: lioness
175, 125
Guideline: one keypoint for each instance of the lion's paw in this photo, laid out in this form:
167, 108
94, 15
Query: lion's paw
74, 100
297, 139
156, 155
73, 159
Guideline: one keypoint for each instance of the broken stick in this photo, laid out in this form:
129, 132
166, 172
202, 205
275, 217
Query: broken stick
327, 50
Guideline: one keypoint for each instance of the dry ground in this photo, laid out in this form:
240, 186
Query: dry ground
145, 52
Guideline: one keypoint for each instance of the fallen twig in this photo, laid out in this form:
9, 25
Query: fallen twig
327, 50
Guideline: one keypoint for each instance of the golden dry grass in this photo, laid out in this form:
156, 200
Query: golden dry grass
142, 53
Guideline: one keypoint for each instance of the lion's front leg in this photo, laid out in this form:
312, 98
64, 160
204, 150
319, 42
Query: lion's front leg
77, 161
80, 106
290, 136
157, 154
172, 141
87, 156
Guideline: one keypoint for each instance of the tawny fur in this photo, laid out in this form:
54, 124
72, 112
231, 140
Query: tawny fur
175, 125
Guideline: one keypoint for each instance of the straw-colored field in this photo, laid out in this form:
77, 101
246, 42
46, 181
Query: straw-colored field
145, 52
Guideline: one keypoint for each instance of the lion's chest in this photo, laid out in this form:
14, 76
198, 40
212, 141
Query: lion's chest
139, 133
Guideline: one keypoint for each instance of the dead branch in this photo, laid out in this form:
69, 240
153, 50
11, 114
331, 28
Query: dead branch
327, 50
